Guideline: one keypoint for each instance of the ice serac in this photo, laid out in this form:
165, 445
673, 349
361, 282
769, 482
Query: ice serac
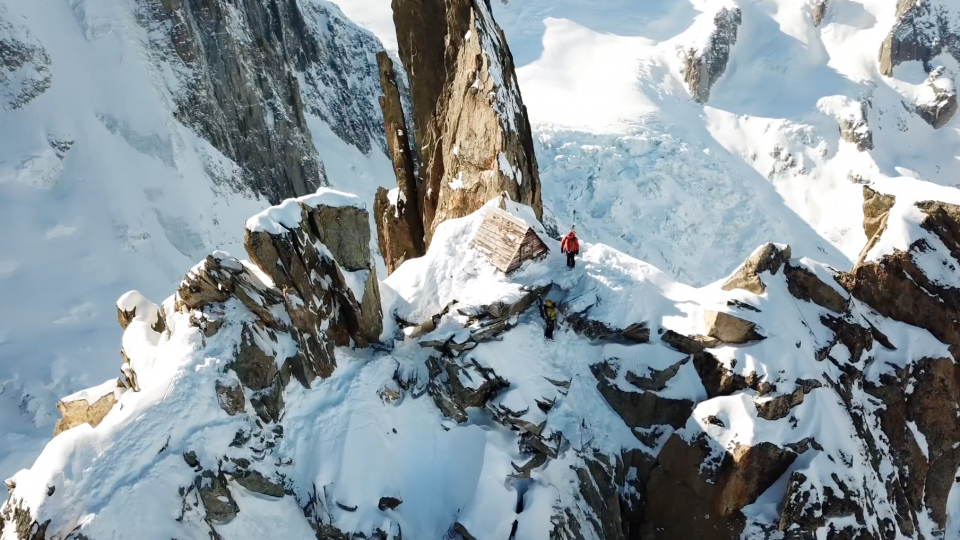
398, 214
703, 64
922, 30
473, 136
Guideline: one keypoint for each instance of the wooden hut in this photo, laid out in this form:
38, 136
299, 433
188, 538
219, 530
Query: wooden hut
508, 240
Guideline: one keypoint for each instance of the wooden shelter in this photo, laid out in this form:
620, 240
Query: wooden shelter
508, 240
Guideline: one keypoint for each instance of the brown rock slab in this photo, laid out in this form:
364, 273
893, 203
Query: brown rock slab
729, 328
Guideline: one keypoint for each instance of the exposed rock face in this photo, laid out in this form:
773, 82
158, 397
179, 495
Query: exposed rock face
84, 411
24, 65
249, 84
819, 11
897, 287
398, 214
923, 29
941, 104
729, 328
767, 258
703, 66
313, 283
473, 135
240, 68
876, 208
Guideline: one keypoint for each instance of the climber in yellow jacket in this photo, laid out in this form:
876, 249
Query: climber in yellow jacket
549, 312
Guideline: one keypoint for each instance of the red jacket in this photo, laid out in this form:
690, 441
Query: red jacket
570, 244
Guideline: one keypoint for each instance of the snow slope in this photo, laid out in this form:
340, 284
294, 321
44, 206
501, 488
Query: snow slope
102, 190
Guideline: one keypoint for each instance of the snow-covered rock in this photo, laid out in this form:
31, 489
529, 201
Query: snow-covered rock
840, 422
939, 104
705, 61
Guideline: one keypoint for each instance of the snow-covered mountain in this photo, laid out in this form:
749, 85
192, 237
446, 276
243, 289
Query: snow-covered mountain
135, 137
784, 398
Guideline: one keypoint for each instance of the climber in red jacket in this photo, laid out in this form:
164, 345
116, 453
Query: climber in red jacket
571, 247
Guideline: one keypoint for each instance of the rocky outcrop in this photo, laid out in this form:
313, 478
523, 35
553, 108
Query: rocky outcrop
729, 328
897, 286
472, 132
939, 105
703, 65
399, 218
766, 258
24, 65
804, 284
819, 11
923, 29
88, 407
293, 251
876, 208
852, 119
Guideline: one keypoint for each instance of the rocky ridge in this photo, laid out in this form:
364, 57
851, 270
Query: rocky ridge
852, 402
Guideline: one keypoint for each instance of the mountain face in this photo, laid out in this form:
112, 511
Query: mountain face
297, 395
791, 400
138, 137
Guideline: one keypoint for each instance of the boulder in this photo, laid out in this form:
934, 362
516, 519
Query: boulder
258, 483
472, 133
767, 258
806, 285
729, 328
231, 398
702, 67
87, 407
689, 344
217, 500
